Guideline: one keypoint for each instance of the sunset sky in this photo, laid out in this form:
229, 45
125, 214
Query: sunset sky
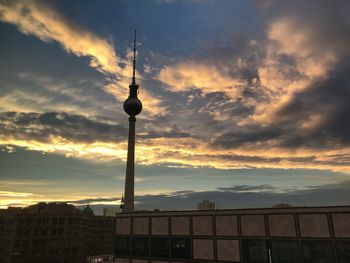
245, 103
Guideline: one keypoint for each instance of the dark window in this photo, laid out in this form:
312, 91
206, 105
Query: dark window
317, 251
285, 251
122, 246
140, 246
180, 248
255, 251
343, 251
160, 247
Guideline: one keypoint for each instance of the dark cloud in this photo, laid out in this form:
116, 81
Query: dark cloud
328, 99
334, 194
41, 126
239, 197
247, 188
91, 200
329, 23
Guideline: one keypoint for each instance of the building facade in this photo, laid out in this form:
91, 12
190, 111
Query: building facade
100, 239
54, 233
293, 235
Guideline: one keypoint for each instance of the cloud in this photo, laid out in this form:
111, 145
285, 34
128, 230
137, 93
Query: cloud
300, 50
187, 75
333, 194
15, 194
251, 103
36, 18
101, 139
248, 188
42, 127
238, 196
298, 69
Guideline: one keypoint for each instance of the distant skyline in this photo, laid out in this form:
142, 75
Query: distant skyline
245, 103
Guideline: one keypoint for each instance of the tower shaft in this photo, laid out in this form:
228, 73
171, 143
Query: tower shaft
130, 169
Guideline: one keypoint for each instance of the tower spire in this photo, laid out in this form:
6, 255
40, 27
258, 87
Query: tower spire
134, 60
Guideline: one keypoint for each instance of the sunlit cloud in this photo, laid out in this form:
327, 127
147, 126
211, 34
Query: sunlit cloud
288, 37
188, 75
189, 153
31, 18
14, 194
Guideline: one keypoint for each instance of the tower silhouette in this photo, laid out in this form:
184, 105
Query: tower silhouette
132, 107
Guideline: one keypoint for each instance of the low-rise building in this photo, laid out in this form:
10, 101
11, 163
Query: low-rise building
290, 234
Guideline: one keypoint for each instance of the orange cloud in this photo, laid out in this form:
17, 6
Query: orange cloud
190, 152
287, 36
46, 24
188, 75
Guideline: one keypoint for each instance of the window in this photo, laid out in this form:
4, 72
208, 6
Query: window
285, 251
160, 247
180, 248
317, 251
140, 247
255, 251
122, 246
343, 251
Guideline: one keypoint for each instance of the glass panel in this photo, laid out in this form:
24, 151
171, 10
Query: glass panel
140, 246
180, 248
122, 246
285, 251
255, 251
160, 247
317, 251
343, 251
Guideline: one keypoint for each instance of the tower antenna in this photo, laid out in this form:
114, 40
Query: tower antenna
134, 60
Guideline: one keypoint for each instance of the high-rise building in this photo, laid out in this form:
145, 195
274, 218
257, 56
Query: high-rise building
206, 205
111, 211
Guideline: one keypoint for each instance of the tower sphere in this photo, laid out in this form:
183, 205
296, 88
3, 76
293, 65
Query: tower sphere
132, 106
